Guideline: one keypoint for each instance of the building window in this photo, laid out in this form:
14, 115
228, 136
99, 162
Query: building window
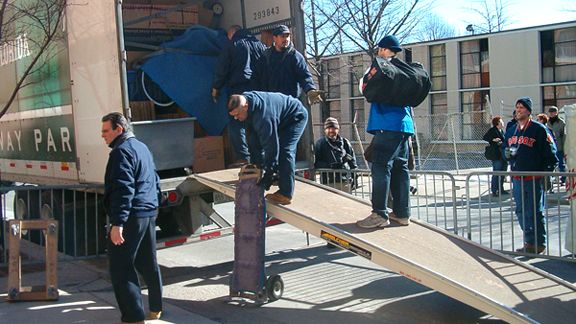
356, 72
474, 64
438, 67
474, 116
439, 111
558, 96
558, 54
332, 68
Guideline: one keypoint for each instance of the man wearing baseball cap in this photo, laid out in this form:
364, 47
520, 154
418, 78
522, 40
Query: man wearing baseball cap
283, 69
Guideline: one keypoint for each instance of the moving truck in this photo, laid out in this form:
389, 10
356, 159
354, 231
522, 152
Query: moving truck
50, 134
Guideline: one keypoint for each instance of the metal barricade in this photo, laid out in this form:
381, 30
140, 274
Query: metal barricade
433, 193
476, 214
77, 208
492, 219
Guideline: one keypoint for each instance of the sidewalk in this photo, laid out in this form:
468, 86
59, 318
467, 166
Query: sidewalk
86, 296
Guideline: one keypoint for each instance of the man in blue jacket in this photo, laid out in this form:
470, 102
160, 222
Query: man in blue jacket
131, 191
392, 127
278, 122
528, 146
282, 68
235, 67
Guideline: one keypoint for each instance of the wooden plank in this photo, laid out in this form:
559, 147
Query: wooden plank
476, 275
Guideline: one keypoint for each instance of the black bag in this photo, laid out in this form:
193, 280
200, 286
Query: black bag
492, 153
396, 83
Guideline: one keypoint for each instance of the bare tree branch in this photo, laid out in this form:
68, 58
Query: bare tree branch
42, 17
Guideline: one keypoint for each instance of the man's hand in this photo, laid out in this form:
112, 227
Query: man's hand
314, 97
116, 235
215, 94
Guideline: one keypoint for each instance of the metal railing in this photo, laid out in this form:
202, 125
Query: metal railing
465, 206
77, 208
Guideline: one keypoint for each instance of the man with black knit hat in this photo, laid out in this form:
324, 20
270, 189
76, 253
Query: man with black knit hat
392, 127
333, 151
528, 146
558, 127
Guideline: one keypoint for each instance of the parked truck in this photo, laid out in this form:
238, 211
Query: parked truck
50, 134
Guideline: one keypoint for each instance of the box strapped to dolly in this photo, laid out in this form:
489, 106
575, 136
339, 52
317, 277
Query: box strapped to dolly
15, 290
248, 278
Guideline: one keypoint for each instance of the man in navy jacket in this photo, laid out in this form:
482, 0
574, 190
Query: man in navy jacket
131, 194
282, 68
528, 146
278, 122
235, 67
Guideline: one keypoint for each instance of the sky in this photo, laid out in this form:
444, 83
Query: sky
521, 13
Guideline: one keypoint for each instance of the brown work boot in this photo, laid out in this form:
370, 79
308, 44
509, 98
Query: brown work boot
279, 198
531, 248
153, 316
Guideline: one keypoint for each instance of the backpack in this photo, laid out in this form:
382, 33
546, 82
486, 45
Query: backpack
396, 83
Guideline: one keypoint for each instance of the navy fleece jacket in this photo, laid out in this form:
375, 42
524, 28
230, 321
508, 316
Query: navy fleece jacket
131, 184
536, 148
269, 113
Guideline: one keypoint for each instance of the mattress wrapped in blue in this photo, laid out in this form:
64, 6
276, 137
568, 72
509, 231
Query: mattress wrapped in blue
184, 70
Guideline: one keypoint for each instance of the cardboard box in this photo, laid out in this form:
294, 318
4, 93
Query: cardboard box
142, 110
208, 154
180, 19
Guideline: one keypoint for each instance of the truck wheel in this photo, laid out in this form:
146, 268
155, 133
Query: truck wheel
274, 287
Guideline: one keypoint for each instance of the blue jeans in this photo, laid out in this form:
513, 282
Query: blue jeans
528, 194
498, 181
137, 253
288, 138
390, 173
237, 136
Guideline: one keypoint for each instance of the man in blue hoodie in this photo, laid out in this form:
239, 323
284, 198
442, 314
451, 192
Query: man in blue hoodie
392, 127
131, 194
528, 146
235, 67
278, 121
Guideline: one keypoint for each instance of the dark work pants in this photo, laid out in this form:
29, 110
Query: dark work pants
138, 253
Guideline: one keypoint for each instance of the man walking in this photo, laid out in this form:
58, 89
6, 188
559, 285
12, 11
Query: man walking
529, 147
278, 122
131, 191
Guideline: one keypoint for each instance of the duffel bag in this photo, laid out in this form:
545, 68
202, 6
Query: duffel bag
396, 82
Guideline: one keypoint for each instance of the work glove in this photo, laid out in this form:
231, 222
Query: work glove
266, 180
314, 96
215, 94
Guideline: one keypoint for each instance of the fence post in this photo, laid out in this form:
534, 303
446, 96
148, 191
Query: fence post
454, 143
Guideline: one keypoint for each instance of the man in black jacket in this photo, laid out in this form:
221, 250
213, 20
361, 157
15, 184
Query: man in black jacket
131, 198
333, 151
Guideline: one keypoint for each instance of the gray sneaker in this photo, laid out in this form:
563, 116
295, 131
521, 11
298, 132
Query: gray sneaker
373, 221
404, 221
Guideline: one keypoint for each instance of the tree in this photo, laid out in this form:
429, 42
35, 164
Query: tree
323, 38
434, 27
365, 22
492, 16
29, 30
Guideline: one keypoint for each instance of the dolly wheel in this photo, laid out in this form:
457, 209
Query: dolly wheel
274, 288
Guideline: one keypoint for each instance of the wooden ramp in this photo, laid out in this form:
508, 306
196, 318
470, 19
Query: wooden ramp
463, 270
